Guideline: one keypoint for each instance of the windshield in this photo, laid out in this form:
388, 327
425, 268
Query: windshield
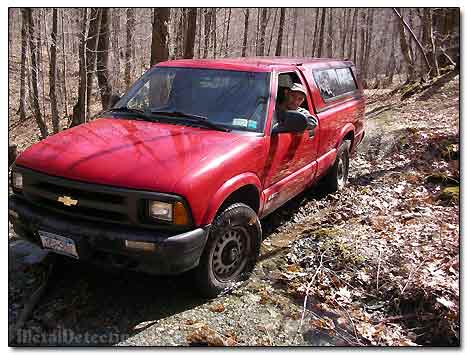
234, 99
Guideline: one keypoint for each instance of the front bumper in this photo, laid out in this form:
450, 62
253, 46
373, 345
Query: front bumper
105, 243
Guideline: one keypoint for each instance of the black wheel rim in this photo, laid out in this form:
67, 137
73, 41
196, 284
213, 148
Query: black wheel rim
229, 254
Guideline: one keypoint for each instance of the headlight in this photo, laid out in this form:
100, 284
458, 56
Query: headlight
161, 210
172, 212
17, 180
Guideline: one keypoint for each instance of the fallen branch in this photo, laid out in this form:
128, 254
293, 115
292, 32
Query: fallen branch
306, 295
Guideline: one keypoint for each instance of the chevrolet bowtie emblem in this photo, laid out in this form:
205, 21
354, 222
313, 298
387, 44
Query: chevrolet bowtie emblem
67, 201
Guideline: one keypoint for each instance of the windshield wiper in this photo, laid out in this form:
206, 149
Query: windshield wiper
139, 113
196, 118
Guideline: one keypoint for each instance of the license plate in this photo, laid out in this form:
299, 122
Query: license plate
59, 244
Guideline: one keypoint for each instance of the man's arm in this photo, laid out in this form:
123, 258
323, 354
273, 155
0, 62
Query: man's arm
312, 122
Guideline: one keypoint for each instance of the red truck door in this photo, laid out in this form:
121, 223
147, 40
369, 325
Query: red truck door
291, 162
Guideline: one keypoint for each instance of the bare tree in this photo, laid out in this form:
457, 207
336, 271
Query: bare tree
315, 33
35, 91
22, 76
91, 50
245, 31
64, 81
189, 50
281, 31
295, 14
207, 30
130, 30
214, 30
159, 43
103, 76
262, 33
419, 45
321, 32
79, 109
227, 33
272, 30
53, 73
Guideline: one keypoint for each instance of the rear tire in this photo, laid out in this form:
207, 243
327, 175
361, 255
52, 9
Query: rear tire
231, 250
336, 178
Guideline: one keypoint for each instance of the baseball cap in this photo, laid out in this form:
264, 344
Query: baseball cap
298, 87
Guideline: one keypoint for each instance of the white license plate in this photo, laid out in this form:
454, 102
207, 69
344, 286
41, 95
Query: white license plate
58, 244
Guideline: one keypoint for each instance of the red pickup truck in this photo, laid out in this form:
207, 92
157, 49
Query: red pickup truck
177, 175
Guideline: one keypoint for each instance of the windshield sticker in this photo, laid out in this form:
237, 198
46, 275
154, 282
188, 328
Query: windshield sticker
240, 122
252, 124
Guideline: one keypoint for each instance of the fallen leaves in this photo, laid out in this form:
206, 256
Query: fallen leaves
204, 335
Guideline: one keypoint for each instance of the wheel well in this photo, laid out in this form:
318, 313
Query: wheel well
247, 194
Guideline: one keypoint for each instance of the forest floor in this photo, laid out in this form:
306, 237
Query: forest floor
374, 264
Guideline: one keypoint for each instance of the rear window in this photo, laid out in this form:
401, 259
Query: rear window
346, 80
334, 82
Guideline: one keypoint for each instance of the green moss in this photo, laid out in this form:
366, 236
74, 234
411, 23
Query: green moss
450, 194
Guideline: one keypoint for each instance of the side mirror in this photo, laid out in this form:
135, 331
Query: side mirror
114, 98
291, 122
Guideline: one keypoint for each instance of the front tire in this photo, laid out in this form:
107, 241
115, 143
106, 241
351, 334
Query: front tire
231, 250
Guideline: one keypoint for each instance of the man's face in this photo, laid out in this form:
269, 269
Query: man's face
294, 99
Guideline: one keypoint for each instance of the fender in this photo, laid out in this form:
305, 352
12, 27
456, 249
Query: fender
349, 127
226, 189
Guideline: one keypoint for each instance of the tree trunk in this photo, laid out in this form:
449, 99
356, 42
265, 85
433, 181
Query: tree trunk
392, 57
429, 41
355, 41
91, 49
262, 33
419, 45
79, 110
406, 53
65, 91
281, 31
272, 31
245, 32
103, 59
200, 19
115, 46
304, 46
227, 34
315, 33
207, 31
189, 50
321, 34
159, 44
130, 30
294, 31
35, 91
214, 31
330, 35
22, 76
345, 29
361, 54
53, 73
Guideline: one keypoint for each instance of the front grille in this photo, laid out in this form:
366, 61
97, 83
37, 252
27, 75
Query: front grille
99, 203
92, 205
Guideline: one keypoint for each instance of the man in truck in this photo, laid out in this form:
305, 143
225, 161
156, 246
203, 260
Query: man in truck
292, 98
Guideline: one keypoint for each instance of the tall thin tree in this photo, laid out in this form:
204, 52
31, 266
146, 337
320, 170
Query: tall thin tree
130, 30
245, 31
160, 30
103, 75
53, 73
189, 48
281, 32
22, 76
35, 91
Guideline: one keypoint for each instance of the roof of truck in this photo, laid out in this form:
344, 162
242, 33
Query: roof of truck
263, 64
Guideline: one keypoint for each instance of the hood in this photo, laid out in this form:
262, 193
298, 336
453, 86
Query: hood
127, 153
